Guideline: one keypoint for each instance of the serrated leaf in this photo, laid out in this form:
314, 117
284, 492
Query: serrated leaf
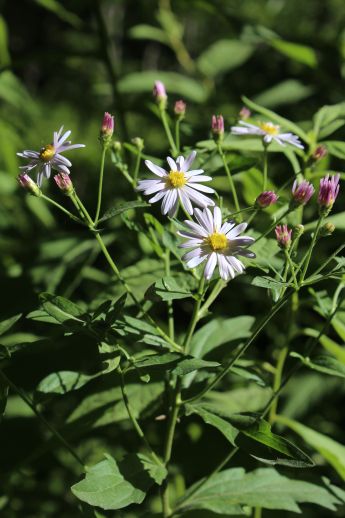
5, 325
111, 485
228, 491
123, 207
323, 363
224, 55
331, 450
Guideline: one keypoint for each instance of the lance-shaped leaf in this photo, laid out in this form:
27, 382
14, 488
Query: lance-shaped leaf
176, 363
5, 325
169, 288
323, 363
62, 309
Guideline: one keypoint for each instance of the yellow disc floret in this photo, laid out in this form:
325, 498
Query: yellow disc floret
176, 179
269, 128
47, 153
217, 241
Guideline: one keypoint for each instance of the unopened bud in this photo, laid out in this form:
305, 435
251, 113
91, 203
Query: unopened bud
265, 199
117, 146
180, 109
28, 184
319, 152
301, 193
107, 128
327, 229
217, 126
160, 94
64, 183
138, 142
297, 231
283, 235
328, 192
244, 113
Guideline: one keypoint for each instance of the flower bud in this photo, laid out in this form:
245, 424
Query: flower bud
283, 235
28, 184
297, 231
107, 129
217, 126
180, 109
328, 192
301, 193
160, 94
244, 113
138, 142
117, 146
265, 199
64, 183
319, 152
327, 229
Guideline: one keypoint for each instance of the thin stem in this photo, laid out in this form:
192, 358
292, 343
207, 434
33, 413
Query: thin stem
136, 169
30, 404
218, 287
100, 186
257, 512
265, 168
231, 181
195, 316
166, 126
171, 324
277, 381
177, 135
278, 305
272, 227
60, 207
292, 267
310, 251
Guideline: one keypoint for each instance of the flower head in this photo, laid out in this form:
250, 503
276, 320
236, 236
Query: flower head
301, 193
244, 113
177, 184
64, 183
107, 128
159, 93
180, 109
268, 131
265, 199
319, 152
328, 192
28, 184
283, 235
49, 157
217, 126
216, 243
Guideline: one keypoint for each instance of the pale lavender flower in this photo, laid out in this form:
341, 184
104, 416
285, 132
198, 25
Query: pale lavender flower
301, 193
217, 125
283, 235
177, 185
49, 157
64, 183
265, 199
159, 92
28, 184
107, 128
328, 192
268, 131
216, 243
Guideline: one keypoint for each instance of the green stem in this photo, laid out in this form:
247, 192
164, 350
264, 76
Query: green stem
292, 267
310, 251
171, 324
168, 131
60, 207
218, 287
272, 227
231, 181
177, 135
136, 170
100, 186
277, 381
57, 434
257, 512
265, 167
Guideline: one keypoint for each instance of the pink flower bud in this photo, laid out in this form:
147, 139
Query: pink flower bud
28, 184
265, 199
319, 152
160, 94
301, 193
328, 192
180, 108
64, 183
107, 128
244, 113
283, 235
217, 125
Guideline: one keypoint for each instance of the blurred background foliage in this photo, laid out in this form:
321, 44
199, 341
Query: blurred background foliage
64, 63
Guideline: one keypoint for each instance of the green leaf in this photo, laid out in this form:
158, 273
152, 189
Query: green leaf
327, 115
269, 283
331, 450
57, 8
171, 288
286, 92
274, 117
5, 59
123, 207
178, 364
224, 55
142, 82
61, 309
5, 325
295, 51
228, 491
148, 32
111, 485
323, 363
335, 148
226, 428
3, 396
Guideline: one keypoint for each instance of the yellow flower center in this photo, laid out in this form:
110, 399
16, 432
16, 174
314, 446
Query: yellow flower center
270, 128
176, 179
47, 152
217, 241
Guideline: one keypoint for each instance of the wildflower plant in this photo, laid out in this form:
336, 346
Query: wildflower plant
153, 376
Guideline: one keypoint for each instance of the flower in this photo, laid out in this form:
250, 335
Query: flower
283, 235
28, 184
179, 184
268, 131
215, 243
244, 113
50, 156
217, 125
159, 93
107, 128
319, 152
265, 199
180, 109
64, 183
328, 192
301, 193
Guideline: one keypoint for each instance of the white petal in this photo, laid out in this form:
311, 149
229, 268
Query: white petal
201, 178
159, 171
172, 164
199, 199
68, 147
226, 227
268, 139
185, 201
188, 162
236, 264
191, 243
64, 169
187, 235
243, 241
174, 204
198, 229
205, 219
225, 270
169, 201
210, 266
63, 138
39, 178
193, 263
47, 170
217, 218
236, 230
179, 162
157, 196
62, 160
201, 187
150, 186
195, 172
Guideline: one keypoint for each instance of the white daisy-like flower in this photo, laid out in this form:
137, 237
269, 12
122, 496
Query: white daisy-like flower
268, 131
215, 242
49, 157
177, 185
